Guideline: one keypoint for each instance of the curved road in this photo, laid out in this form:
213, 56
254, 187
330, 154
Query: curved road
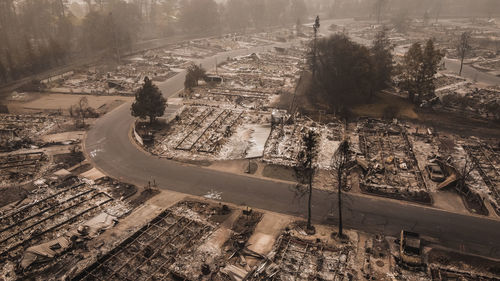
111, 150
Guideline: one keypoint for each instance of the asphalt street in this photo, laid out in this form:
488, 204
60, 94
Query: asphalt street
109, 146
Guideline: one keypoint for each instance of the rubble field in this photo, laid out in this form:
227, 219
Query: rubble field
296, 259
24, 131
21, 167
395, 171
153, 252
51, 221
487, 164
123, 78
197, 240
178, 245
235, 118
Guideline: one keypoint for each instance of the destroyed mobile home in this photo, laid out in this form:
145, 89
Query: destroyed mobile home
226, 121
126, 77
195, 240
62, 219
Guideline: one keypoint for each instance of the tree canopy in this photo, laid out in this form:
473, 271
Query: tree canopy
193, 75
149, 102
418, 71
382, 61
344, 72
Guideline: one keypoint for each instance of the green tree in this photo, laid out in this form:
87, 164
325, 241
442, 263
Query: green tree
432, 58
194, 74
149, 102
344, 75
411, 73
382, 61
305, 168
418, 71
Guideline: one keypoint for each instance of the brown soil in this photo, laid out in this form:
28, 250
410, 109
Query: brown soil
143, 197
475, 204
404, 109
82, 169
11, 194
279, 172
456, 123
119, 190
458, 260
68, 160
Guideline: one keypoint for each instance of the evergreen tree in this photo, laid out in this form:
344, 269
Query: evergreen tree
432, 58
382, 61
149, 102
411, 74
419, 69
344, 72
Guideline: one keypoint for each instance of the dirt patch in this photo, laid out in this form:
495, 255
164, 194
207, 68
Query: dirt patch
279, 172
68, 160
61, 102
203, 163
403, 108
12, 194
143, 197
119, 190
82, 169
458, 124
463, 262
252, 168
474, 203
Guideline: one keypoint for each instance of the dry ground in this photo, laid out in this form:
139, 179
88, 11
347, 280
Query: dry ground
41, 102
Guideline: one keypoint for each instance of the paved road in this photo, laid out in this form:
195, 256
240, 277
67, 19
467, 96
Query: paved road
110, 149
472, 73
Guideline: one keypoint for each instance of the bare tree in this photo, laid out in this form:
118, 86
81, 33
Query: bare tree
80, 111
463, 48
465, 173
305, 169
339, 165
193, 75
